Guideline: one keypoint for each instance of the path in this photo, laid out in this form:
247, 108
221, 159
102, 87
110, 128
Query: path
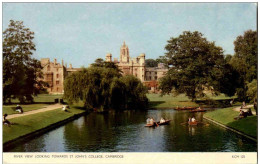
47, 108
247, 106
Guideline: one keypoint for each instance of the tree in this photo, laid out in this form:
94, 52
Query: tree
195, 64
151, 63
245, 61
20, 70
252, 90
104, 88
246, 51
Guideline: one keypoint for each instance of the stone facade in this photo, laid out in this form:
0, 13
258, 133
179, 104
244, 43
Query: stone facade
133, 66
54, 74
136, 66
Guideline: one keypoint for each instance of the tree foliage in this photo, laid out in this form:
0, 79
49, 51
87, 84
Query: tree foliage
252, 90
245, 61
151, 63
20, 70
195, 65
104, 88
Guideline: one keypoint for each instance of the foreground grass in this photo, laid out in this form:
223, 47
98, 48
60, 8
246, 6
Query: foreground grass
9, 109
226, 116
27, 124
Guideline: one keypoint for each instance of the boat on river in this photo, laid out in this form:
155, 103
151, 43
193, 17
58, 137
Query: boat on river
150, 125
185, 108
167, 122
193, 123
198, 110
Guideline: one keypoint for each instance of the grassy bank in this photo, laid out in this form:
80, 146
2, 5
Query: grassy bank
27, 124
42, 98
9, 109
226, 116
169, 101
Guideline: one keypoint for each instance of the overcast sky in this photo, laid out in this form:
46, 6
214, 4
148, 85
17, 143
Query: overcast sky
79, 33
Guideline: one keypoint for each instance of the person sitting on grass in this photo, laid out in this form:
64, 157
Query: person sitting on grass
19, 109
5, 121
64, 108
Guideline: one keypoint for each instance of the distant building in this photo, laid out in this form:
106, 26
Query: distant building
54, 74
133, 66
136, 66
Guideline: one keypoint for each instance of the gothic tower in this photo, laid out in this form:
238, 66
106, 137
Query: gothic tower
124, 53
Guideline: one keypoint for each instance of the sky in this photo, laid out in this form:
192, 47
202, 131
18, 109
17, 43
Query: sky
79, 33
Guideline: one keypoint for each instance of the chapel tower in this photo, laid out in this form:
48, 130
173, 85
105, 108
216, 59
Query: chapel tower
124, 53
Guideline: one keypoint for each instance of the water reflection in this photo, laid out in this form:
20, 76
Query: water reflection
125, 132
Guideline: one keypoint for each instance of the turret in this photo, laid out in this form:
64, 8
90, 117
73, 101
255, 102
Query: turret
142, 59
109, 57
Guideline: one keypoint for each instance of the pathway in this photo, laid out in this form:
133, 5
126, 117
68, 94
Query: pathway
247, 106
47, 108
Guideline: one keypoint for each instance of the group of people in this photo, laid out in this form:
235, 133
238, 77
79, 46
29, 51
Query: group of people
192, 119
151, 121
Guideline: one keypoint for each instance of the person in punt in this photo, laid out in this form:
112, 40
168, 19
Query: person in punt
162, 120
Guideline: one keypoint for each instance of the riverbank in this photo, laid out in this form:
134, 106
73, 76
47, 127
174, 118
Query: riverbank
156, 101
33, 124
226, 117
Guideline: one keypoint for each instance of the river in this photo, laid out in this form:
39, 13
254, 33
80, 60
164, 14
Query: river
125, 132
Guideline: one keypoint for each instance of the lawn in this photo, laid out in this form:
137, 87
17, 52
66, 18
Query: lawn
226, 116
9, 109
43, 98
169, 101
27, 124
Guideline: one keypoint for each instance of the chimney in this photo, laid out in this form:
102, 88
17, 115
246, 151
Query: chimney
55, 61
62, 62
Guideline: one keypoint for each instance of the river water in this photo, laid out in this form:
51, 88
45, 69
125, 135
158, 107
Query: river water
125, 132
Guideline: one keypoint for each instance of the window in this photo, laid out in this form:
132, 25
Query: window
57, 76
57, 69
57, 82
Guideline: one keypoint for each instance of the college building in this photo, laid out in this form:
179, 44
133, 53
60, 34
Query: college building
54, 73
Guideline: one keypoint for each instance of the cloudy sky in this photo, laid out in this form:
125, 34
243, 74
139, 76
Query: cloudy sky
79, 33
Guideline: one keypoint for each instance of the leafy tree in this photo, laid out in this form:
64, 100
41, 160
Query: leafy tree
20, 70
245, 61
195, 64
246, 51
104, 88
101, 63
252, 90
151, 63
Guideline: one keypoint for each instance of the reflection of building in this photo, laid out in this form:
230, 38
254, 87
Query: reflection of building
54, 74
